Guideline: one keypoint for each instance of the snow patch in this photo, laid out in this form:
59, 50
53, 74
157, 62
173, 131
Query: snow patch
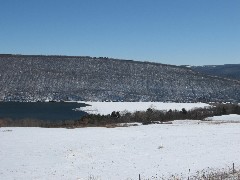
105, 108
225, 118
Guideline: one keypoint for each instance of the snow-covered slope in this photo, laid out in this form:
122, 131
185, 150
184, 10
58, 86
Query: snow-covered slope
226, 71
33, 78
118, 153
105, 108
225, 118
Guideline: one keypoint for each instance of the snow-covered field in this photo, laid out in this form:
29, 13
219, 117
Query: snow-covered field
225, 118
105, 108
117, 153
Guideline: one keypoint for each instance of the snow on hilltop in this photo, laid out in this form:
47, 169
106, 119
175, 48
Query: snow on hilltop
105, 108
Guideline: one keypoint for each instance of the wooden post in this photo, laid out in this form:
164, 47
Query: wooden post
188, 173
233, 169
139, 177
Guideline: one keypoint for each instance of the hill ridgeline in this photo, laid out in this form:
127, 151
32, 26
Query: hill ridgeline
40, 78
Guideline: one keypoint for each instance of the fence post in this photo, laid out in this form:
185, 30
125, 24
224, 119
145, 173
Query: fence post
139, 177
233, 169
188, 173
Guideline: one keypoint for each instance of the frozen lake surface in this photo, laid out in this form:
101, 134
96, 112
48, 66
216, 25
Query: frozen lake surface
105, 108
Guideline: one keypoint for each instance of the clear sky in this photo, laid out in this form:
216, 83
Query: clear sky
194, 32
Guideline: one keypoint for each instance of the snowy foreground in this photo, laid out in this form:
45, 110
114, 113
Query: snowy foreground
105, 108
118, 153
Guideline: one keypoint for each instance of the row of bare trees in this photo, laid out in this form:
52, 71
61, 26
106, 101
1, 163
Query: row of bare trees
153, 116
145, 117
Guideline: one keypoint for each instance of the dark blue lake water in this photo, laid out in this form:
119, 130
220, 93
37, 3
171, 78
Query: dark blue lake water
52, 111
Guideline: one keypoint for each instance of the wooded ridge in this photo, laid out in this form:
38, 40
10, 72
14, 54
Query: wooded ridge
40, 78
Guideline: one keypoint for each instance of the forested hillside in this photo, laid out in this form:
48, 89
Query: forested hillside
227, 71
40, 78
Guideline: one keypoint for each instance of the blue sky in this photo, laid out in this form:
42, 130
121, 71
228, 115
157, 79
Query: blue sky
194, 32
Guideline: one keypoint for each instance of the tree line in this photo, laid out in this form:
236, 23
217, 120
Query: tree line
149, 116
158, 116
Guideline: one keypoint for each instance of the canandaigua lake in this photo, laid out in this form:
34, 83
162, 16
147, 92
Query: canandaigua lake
49, 111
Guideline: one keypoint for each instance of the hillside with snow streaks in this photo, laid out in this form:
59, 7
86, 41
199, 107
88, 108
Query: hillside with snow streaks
231, 71
33, 78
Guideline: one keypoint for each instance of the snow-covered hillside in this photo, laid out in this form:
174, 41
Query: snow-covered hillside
105, 108
117, 153
40, 78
